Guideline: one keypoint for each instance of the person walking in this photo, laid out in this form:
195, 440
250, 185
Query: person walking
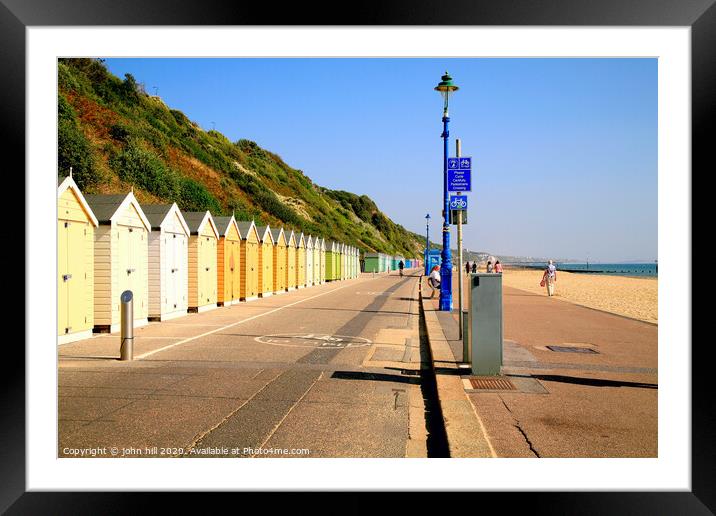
434, 279
474, 267
498, 267
467, 267
489, 266
549, 278
400, 266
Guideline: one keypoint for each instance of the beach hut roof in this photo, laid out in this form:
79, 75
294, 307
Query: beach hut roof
276, 234
69, 184
291, 235
158, 213
309, 242
265, 231
105, 207
223, 224
301, 238
245, 227
197, 219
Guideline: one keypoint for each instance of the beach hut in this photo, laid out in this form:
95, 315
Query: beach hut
265, 261
300, 261
120, 259
76, 225
354, 261
203, 277
339, 259
316, 261
309, 261
291, 273
347, 262
372, 262
168, 261
249, 261
228, 261
332, 254
279, 261
322, 256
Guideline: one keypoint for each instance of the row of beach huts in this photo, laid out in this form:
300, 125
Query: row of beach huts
174, 262
380, 262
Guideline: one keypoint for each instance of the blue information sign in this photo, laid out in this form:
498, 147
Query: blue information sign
459, 181
459, 170
458, 202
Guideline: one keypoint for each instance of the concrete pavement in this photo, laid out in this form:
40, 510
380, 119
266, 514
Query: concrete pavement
330, 371
565, 404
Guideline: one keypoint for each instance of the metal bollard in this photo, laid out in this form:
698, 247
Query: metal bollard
126, 348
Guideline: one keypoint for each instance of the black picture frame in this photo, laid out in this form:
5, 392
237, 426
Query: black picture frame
699, 15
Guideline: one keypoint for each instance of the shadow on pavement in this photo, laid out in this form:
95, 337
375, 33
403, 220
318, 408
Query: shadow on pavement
594, 382
380, 377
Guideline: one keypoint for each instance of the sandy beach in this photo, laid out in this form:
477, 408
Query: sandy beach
629, 296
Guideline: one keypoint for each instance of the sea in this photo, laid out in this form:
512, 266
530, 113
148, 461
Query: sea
611, 269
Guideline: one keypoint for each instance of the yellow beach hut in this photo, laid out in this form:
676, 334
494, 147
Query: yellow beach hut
291, 274
76, 225
249, 261
265, 261
279, 261
203, 244
121, 254
168, 262
300, 261
322, 256
309, 261
228, 261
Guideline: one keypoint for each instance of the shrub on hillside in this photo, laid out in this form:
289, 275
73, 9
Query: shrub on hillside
141, 167
73, 149
195, 197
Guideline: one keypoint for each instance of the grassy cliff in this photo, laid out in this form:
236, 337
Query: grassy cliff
115, 136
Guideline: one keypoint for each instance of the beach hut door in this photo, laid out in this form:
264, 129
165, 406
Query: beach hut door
76, 277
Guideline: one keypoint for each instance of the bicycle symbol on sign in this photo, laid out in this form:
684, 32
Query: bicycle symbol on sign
459, 203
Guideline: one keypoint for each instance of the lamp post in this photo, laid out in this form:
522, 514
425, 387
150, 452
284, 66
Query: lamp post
427, 233
446, 88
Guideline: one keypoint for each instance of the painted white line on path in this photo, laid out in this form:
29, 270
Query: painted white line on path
149, 353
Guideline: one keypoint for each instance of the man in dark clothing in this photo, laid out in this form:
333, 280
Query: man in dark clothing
400, 266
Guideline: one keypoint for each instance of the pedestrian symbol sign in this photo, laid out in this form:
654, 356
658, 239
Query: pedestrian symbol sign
462, 163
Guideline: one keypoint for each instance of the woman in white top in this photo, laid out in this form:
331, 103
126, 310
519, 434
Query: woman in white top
550, 277
434, 279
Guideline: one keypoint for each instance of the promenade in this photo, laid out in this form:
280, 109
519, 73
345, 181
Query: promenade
564, 404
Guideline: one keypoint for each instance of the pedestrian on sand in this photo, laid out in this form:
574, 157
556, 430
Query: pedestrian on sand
549, 278
498, 267
489, 266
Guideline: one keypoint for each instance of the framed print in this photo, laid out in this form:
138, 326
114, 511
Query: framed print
236, 259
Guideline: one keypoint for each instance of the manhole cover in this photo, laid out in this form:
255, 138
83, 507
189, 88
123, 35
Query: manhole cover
491, 383
572, 349
313, 340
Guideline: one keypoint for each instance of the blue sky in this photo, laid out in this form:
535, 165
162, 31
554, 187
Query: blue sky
564, 150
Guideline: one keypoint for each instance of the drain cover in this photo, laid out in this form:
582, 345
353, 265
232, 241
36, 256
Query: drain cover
572, 349
490, 383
